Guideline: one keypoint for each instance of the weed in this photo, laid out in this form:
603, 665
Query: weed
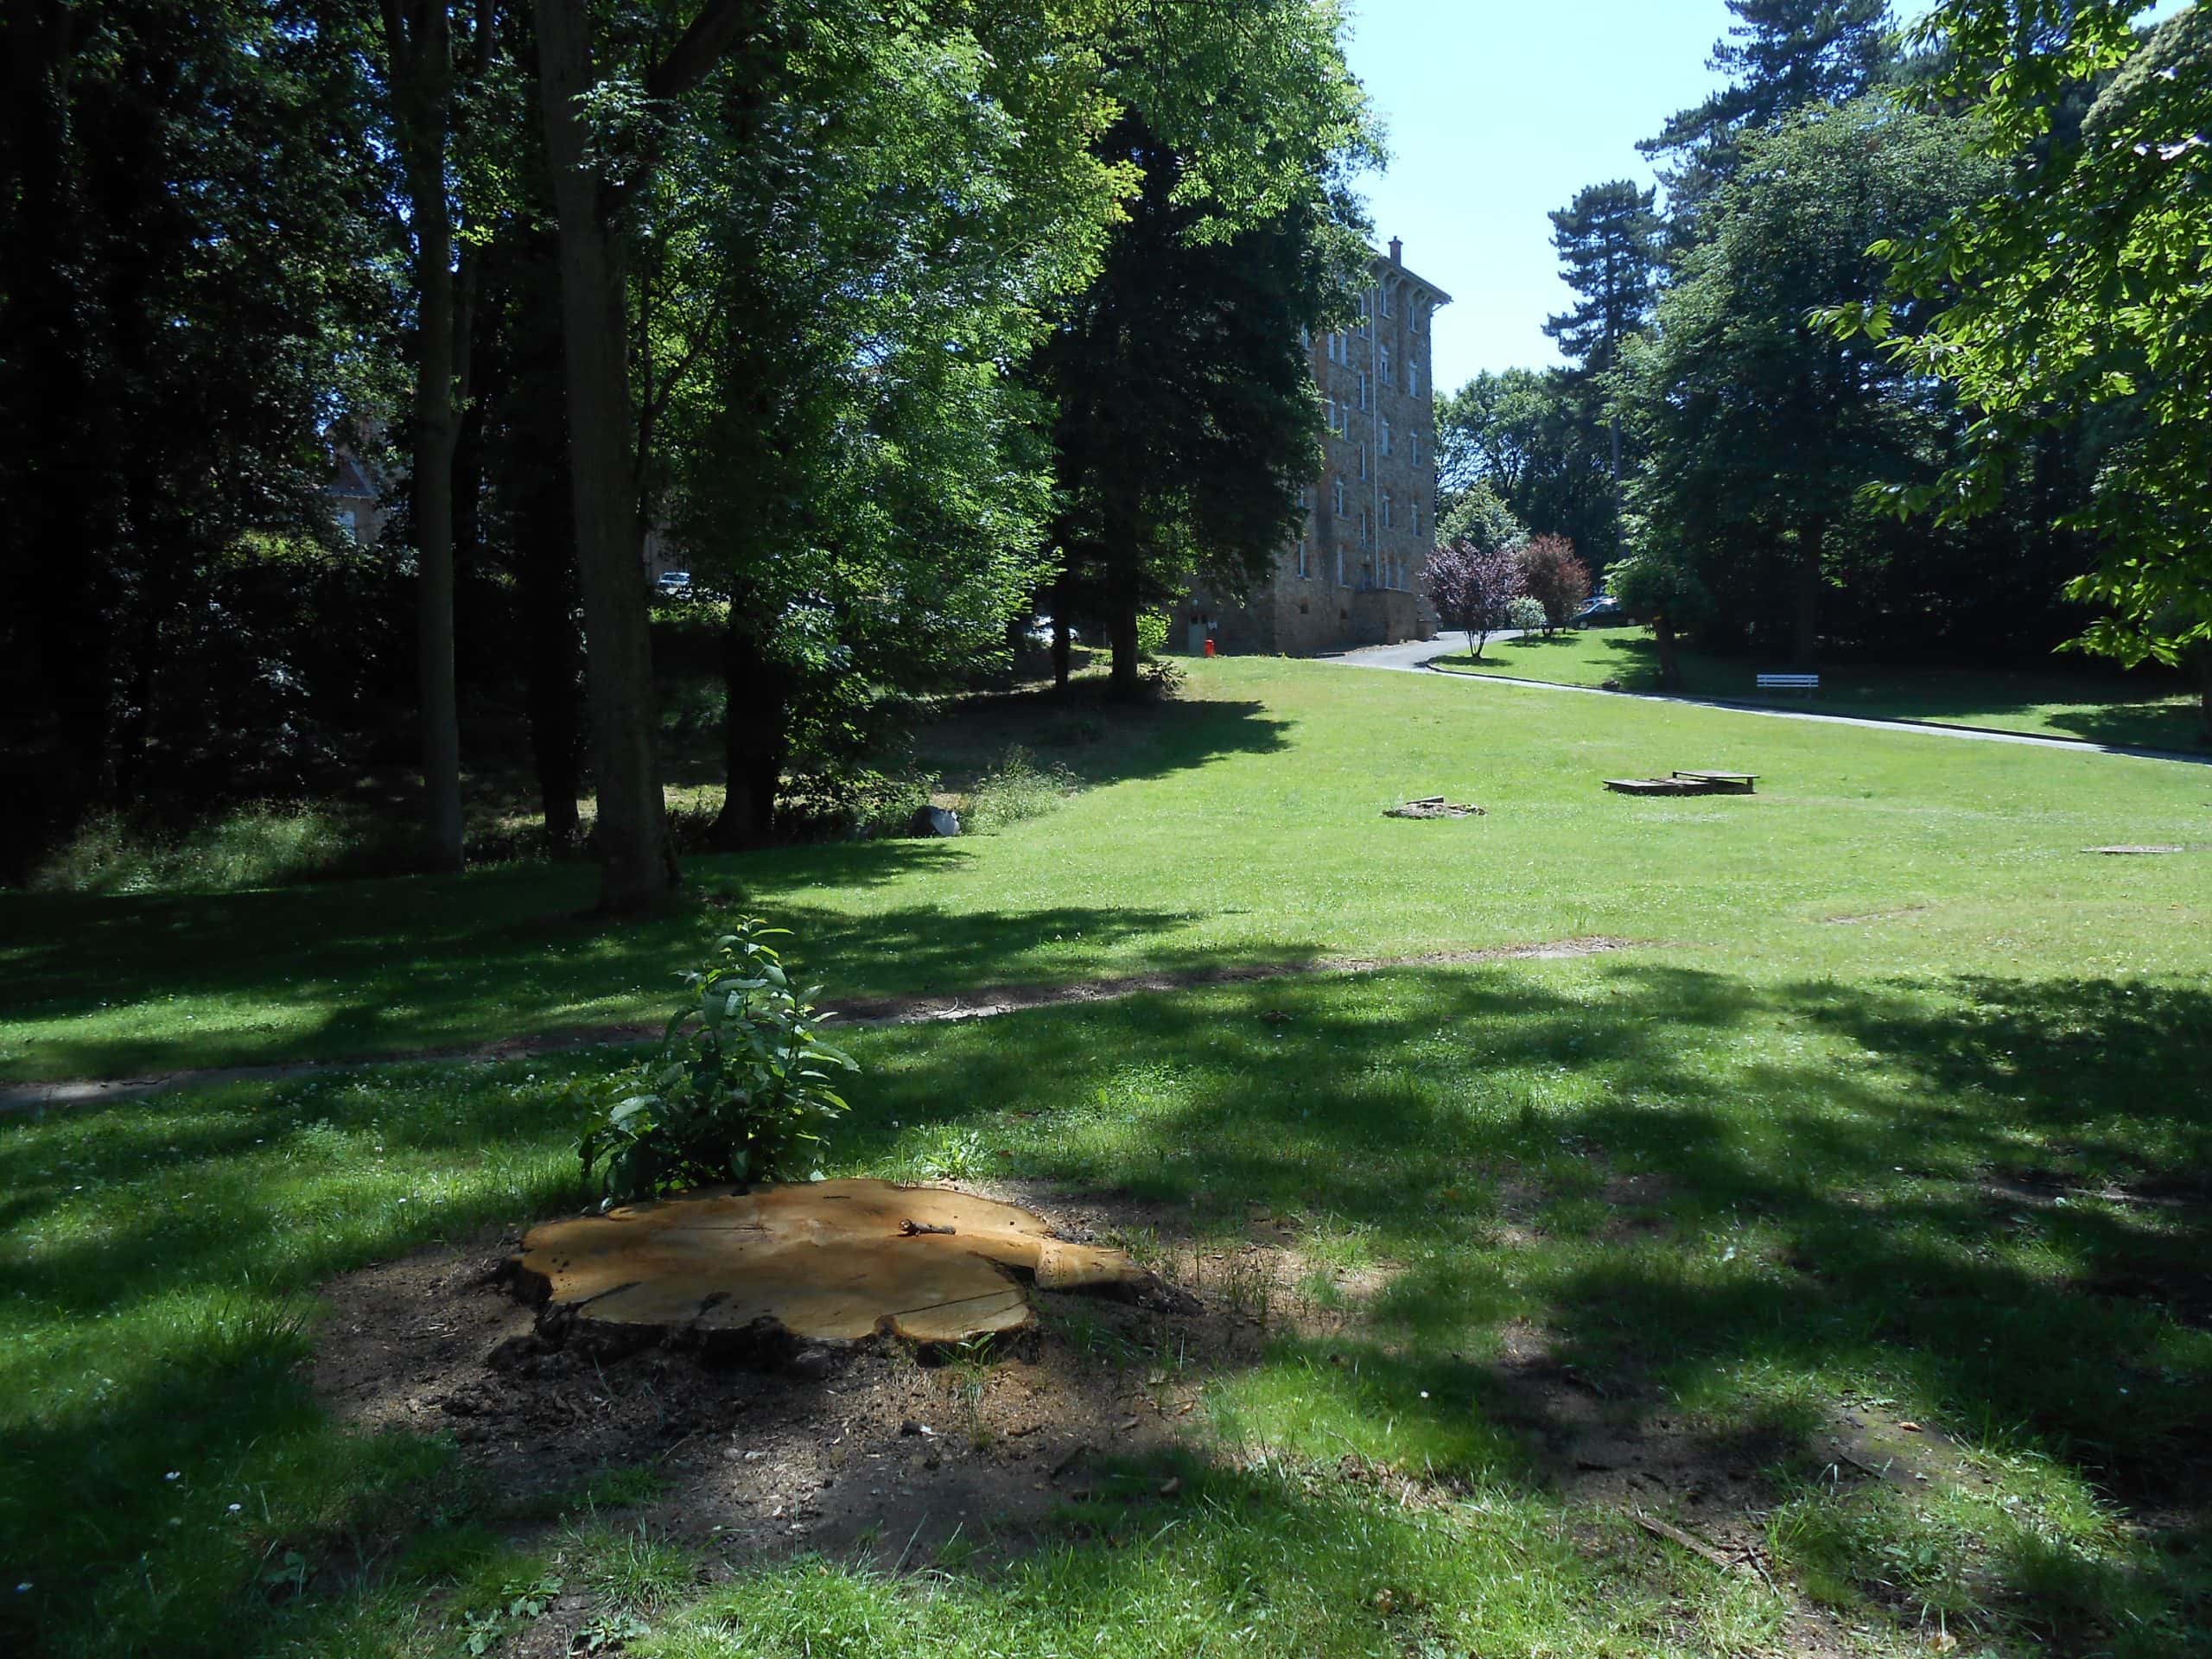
1015, 788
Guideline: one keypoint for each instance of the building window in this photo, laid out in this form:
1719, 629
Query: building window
1365, 396
1302, 571
1341, 583
1413, 380
1386, 299
1366, 528
1416, 517
1388, 510
1362, 461
1339, 494
1384, 352
1384, 437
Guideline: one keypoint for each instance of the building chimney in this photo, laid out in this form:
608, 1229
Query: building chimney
1397, 250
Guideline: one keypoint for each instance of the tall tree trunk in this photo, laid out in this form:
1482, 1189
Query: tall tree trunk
55, 624
418, 50
545, 583
2203, 656
1805, 637
1670, 665
1063, 635
756, 737
1122, 636
637, 863
435, 428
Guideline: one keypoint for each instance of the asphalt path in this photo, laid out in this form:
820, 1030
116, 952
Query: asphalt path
1413, 658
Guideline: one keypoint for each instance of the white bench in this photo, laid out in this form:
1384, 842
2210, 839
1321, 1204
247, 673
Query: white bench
1808, 683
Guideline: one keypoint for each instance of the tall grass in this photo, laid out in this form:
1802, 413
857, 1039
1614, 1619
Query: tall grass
262, 845
1015, 788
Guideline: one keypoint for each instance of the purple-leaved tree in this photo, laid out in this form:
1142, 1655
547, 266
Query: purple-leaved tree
1471, 586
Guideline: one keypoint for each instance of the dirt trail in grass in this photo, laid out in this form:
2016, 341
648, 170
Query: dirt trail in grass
981, 1004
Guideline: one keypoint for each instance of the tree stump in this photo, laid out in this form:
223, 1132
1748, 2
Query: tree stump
776, 1268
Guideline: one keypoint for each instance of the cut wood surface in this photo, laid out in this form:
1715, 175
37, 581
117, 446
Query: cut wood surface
824, 1262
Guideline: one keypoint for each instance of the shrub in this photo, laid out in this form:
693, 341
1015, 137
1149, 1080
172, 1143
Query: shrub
1555, 578
1472, 588
737, 1092
1015, 788
854, 801
1526, 613
1153, 630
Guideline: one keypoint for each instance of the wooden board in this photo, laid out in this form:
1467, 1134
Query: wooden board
1652, 786
1722, 783
826, 1262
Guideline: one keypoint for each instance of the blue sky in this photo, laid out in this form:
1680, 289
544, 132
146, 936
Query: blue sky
1499, 111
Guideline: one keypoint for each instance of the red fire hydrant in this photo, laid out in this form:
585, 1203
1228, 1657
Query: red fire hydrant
1209, 647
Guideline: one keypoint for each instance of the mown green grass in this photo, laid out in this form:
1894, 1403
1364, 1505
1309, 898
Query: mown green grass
1818, 1229
1874, 998
1241, 826
2137, 711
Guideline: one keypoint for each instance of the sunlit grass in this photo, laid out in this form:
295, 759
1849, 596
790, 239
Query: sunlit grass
1242, 826
1746, 1174
2084, 702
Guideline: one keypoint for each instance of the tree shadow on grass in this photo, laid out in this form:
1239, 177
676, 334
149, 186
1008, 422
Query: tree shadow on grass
1096, 739
1720, 1203
1717, 1221
395, 968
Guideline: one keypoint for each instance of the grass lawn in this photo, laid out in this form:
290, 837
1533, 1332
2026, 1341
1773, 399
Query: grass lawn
1241, 826
1882, 1158
2100, 709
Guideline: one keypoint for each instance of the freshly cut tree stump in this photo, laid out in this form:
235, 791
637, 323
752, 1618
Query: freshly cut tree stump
825, 1263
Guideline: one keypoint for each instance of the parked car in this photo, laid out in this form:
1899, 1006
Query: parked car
1600, 610
673, 584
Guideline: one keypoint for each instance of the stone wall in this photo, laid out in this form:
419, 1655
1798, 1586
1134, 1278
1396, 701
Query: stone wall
1356, 578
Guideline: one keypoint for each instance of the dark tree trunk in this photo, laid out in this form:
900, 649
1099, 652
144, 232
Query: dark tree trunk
545, 584
1670, 664
1805, 621
55, 621
418, 50
756, 737
1063, 635
1122, 636
637, 863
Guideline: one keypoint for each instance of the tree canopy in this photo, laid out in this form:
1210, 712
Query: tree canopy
2079, 295
1762, 429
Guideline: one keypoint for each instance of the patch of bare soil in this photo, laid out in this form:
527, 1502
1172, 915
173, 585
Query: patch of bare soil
889, 1450
902, 1456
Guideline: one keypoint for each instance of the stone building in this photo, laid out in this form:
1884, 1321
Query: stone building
1354, 578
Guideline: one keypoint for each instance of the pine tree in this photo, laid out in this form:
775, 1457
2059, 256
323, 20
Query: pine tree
1606, 243
1780, 55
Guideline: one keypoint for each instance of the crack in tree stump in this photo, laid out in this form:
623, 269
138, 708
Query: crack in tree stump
774, 1270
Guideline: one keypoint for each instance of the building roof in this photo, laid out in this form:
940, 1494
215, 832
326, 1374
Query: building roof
1394, 263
